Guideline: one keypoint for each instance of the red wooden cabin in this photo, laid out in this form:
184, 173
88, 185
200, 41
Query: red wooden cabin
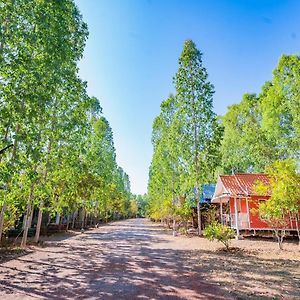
237, 198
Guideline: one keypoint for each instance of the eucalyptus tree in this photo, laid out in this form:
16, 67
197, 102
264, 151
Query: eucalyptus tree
245, 147
140, 203
262, 129
56, 38
41, 43
280, 106
164, 176
63, 166
201, 133
56, 149
101, 158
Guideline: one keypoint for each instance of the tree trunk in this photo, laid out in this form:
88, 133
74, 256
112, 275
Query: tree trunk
2, 215
83, 217
199, 218
40, 215
168, 223
27, 224
73, 220
14, 151
197, 188
174, 227
186, 227
280, 234
197, 171
39, 223
57, 220
28, 217
15, 146
68, 221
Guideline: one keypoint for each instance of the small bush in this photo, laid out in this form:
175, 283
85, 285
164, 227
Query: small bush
219, 232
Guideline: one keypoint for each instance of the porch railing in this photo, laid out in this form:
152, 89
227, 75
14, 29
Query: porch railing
225, 219
242, 221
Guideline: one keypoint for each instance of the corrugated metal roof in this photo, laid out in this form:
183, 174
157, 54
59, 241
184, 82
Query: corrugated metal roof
230, 184
208, 191
248, 181
243, 183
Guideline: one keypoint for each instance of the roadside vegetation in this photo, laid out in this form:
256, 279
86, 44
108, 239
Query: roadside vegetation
57, 150
57, 155
219, 232
192, 145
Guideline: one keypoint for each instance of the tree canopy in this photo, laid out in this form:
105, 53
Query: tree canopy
57, 150
185, 140
191, 144
264, 128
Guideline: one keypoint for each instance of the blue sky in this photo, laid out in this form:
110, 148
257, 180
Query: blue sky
132, 55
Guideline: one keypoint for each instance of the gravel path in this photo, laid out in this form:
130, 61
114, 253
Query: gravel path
137, 259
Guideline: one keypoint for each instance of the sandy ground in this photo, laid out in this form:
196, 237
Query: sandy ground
137, 259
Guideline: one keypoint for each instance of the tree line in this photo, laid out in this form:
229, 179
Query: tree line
57, 150
192, 145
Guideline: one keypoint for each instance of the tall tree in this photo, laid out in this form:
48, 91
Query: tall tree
201, 131
262, 129
165, 172
245, 147
280, 106
56, 149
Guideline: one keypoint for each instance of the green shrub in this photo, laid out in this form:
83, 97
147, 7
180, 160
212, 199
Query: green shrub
219, 232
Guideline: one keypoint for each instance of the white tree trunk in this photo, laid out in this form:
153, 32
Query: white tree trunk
83, 219
74, 217
28, 217
57, 219
198, 212
174, 227
68, 221
39, 223
3, 209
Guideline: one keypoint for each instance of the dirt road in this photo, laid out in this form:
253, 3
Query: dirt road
132, 259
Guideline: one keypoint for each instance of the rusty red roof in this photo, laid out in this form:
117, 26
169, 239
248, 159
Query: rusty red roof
230, 184
242, 183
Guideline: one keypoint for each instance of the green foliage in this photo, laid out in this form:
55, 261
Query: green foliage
184, 212
265, 128
140, 203
12, 214
211, 215
285, 197
63, 156
261, 133
186, 138
244, 145
200, 133
219, 232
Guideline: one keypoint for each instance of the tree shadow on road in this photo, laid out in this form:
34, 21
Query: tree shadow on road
10, 253
122, 264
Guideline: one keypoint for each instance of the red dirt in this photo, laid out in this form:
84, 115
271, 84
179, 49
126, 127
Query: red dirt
137, 259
